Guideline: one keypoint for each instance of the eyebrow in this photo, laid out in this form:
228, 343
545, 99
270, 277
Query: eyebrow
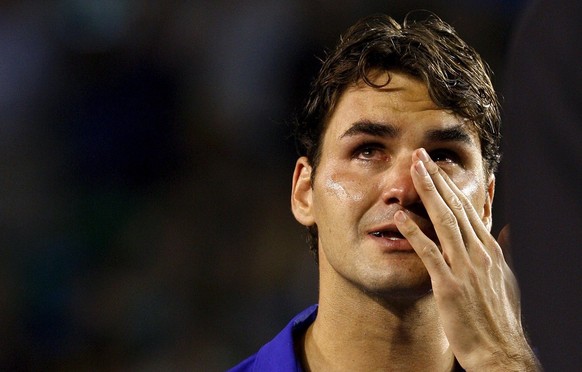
371, 128
452, 134
457, 133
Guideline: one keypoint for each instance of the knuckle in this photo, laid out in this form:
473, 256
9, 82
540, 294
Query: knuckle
428, 185
487, 262
466, 203
447, 219
429, 250
482, 258
433, 169
455, 203
497, 252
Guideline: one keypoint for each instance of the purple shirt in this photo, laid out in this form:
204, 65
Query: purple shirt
279, 353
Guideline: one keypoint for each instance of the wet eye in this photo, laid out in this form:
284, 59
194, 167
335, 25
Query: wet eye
369, 152
445, 156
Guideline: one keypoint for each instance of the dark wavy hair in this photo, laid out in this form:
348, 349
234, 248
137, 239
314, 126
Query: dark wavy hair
428, 49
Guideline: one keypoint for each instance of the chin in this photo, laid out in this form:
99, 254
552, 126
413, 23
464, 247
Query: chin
400, 291
401, 295
398, 283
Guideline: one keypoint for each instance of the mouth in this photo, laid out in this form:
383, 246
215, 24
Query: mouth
390, 240
388, 234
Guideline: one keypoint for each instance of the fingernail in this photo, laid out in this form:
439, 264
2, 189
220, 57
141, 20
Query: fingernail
420, 169
423, 155
400, 216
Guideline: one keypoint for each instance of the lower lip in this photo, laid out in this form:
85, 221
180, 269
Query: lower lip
391, 245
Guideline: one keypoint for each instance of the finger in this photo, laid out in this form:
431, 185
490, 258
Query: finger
474, 219
424, 247
443, 218
489, 246
453, 197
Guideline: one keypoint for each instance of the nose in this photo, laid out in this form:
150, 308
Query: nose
398, 187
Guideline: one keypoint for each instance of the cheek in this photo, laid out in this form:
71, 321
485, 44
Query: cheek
339, 197
343, 190
472, 185
344, 185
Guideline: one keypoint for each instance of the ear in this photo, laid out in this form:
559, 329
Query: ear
488, 207
302, 193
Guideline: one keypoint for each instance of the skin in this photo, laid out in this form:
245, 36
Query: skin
435, 286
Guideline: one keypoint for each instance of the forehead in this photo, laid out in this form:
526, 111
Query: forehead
402, 101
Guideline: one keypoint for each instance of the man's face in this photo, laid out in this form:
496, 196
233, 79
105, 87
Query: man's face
363, 178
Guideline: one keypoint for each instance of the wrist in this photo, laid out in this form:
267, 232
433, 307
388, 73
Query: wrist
524, 361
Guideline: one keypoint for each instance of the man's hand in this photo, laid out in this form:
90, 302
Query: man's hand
475, 291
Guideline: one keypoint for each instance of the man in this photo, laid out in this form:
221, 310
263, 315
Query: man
399, 143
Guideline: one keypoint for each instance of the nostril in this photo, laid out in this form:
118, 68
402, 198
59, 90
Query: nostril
403, 196
397, 184
393, 200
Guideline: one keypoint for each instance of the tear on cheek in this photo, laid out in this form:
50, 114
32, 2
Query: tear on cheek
341, 192
336, 189
471, 185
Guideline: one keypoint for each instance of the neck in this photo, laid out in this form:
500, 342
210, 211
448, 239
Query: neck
366, 332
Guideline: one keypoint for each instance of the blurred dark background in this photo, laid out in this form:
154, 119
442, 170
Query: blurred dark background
145, 173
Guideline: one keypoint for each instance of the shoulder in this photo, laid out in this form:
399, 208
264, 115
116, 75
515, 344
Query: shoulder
279, 353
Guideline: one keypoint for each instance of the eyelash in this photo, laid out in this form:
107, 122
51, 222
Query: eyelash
369, 147
446, 156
